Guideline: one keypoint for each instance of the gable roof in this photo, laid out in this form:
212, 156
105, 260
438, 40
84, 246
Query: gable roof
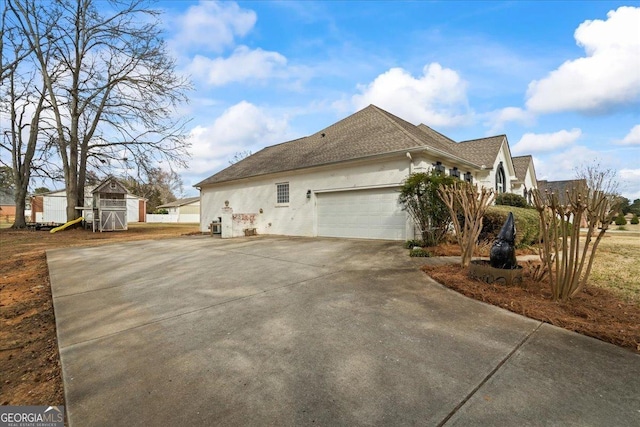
103, 186
369, 132
483, 151
180, 202
521, 165
560, 187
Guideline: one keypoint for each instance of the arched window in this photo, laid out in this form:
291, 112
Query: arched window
501, 181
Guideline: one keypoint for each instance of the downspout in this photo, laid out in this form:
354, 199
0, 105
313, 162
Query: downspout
410, 162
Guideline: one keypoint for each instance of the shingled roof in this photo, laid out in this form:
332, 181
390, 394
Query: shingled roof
521, 164
560, 187
180, 202
483, 151
369, 132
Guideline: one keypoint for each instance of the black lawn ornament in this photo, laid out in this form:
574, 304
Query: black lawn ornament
503, 251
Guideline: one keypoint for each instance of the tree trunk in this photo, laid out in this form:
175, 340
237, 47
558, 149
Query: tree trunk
20, 220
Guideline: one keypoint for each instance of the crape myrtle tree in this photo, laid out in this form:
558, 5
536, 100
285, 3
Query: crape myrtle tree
111, 86
419, 197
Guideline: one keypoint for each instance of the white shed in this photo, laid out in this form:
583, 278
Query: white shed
52, 207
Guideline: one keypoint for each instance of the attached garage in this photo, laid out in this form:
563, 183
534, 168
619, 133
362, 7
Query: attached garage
365, 214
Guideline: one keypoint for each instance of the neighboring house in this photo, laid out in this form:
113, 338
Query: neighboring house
526, 177
343, 181
52, 207
182, 210
561, 188
7, 205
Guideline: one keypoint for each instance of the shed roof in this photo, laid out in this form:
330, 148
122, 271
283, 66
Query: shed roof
116, 188
368, 132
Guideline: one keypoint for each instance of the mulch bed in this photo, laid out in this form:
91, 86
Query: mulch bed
594, 312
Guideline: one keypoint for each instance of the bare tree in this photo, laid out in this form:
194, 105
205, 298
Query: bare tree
22, 103
117, 95
162, 187
567, 253
598, 178
472, 203
239, 155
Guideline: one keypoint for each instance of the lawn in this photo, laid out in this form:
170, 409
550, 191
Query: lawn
617, 266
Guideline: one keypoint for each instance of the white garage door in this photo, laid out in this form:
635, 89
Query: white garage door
366, 214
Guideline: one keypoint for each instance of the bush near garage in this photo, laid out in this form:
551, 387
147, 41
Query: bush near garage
510, 199
527, 224
634, 219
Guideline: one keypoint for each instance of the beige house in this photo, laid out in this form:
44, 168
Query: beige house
343, 180
182, 210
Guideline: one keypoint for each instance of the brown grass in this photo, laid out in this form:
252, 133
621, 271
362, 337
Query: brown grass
28, 344
617, 266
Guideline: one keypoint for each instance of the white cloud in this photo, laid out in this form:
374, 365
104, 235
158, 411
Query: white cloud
498, 118
562, 165
241, 127
212, 26
536, 142
244, 64
437, 98
632, 138
606, 77
630, 183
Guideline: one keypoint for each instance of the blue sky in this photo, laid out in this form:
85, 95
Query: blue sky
560, 79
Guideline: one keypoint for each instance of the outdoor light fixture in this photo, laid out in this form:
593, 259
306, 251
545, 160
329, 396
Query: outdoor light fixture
308, 194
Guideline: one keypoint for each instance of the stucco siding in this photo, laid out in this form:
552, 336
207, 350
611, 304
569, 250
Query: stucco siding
297, 218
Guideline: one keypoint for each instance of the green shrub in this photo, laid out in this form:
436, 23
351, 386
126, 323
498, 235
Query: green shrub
419, 197
622, 228
161, 212
510, 199
620, 219
419, 252
527, 224
634, 219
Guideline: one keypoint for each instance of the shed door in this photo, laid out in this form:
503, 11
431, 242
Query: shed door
365, 214
113, 220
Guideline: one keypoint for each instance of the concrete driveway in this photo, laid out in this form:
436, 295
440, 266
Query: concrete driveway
297, 331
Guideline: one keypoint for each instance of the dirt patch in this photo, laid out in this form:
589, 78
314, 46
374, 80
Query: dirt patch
595, 312
31, 373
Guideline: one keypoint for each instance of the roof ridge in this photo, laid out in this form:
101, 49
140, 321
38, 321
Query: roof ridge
386, 115
439, 133
486, 137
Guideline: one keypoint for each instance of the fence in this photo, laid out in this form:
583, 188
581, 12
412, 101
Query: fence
173, 218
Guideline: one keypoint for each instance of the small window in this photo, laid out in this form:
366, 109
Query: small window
454, 173
282, 192
468, 177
